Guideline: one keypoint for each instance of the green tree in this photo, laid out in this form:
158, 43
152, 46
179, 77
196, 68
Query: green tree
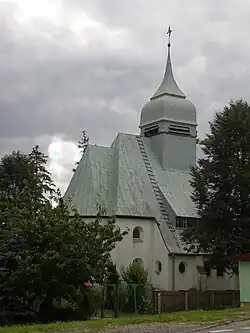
82, 146
112, 274
46, 252
221, 188
111, 286
18, 170
14, 174
42, 184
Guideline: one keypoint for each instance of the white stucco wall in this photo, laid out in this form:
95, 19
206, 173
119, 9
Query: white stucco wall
227, 282
152, 249
192, 279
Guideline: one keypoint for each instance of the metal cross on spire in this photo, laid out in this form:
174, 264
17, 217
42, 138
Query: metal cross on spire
169, 35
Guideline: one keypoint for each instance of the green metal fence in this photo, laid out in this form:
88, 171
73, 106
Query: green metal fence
121, 300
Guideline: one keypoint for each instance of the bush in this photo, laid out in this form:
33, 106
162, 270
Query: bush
136, 278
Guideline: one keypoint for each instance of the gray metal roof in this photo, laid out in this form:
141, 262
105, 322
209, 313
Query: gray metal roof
117, 178
174, 185
168, 85
176, 190
168, 103
90, 182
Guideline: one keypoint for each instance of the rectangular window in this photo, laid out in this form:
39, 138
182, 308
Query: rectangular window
151, 131
185, 222
181, 222
179, 129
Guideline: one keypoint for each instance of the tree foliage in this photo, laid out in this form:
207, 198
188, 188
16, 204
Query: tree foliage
46, 252
18, 170
113, 276
135, 273
136, 278
82, 146
221, 188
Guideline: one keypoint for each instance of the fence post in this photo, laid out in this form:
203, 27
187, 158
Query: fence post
158, 302
135, 298
154, 301
102, 301
212, 300
116, 300
186, 300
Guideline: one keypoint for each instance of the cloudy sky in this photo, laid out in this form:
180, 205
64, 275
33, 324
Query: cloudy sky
68, 65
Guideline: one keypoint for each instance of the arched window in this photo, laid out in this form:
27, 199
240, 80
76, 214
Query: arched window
137, 234
138, 261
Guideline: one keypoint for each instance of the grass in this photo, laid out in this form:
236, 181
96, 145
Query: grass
190, 317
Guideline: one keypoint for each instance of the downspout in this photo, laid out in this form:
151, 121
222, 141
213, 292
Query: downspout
173, 271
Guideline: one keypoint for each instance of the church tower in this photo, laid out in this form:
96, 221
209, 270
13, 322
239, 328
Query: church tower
168, 120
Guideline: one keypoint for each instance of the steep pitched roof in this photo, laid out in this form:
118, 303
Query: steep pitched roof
115, 177
131, 179
90, 182
118, 179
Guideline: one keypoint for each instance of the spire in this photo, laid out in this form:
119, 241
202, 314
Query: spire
168, 85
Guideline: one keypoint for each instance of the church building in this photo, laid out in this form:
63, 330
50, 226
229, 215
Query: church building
144, 180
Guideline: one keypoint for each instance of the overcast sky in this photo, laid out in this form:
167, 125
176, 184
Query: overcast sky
68, 65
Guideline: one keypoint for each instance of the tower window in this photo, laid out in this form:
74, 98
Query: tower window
179, 129
151, 131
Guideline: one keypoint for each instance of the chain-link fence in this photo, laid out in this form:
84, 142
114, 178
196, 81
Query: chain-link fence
121, 300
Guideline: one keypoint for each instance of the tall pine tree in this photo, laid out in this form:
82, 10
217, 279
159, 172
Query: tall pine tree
221, 188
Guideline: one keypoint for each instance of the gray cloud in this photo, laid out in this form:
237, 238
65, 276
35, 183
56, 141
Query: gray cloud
97, 62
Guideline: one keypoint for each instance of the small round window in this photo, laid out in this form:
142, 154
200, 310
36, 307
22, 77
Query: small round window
182, 267
158, 267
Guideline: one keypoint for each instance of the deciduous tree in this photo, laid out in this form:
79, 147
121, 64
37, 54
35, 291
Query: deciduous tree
46, 252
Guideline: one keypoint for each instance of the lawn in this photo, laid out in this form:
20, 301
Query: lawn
93, 325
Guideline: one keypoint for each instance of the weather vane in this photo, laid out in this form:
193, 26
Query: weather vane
169, 36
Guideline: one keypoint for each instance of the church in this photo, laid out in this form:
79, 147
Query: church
144, 180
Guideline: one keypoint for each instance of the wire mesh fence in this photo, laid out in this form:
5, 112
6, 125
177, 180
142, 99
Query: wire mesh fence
121, 300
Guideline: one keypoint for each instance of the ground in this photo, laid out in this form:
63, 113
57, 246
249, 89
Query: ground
177, 322
156, 328
237, 327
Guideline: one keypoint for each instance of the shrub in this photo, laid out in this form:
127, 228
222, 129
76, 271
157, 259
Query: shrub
136, 278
